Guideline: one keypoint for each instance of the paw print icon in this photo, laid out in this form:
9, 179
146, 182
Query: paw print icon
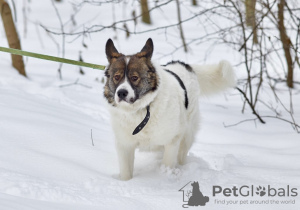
261, 191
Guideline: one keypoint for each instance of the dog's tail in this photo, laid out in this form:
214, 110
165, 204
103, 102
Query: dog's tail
215, 78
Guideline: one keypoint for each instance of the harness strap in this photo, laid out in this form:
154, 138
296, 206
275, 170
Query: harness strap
186, 102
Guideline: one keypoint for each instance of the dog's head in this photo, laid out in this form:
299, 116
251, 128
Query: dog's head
130, 78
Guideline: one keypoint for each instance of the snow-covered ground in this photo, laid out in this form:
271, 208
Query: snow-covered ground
47, 130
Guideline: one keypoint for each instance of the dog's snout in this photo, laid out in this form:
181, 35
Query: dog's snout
122, 93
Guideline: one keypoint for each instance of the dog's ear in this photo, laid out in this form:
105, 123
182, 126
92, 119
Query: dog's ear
111, 51
147, 50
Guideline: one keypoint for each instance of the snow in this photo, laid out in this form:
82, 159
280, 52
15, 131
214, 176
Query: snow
47, 157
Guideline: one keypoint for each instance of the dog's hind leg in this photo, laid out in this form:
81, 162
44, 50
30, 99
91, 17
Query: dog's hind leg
126, 160
171, 152
182, 153
185, 146
189, 135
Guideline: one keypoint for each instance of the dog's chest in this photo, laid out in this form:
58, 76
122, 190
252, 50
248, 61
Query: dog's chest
155, 132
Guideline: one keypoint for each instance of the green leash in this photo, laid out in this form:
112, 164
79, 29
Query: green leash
51, 58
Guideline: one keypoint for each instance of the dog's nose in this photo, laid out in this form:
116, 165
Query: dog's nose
122, 93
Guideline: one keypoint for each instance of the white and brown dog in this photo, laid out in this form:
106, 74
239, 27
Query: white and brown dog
136, 87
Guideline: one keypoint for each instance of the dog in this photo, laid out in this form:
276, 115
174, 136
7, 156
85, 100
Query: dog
156, 106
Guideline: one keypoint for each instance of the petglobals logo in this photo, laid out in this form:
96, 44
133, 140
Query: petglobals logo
195, 196
246, 191
192, 195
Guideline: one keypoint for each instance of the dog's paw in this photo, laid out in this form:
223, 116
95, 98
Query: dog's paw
171, 173
122, 178
116, 176
125, 178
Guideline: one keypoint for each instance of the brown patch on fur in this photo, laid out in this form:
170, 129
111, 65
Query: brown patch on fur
148, 79
111, 51
141, 54
116, 67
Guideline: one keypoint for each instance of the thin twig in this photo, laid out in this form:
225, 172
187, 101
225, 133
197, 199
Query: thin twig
180, 26
75, 83
92, 30
294, 125
251, 106
63, 37
235, 124
92, 137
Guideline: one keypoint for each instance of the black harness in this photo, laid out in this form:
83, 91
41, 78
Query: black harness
147, 117
186, 101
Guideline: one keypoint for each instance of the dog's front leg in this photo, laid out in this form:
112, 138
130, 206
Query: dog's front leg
170, 154
126, 160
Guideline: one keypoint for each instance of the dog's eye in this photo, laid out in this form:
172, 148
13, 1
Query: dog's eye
117, 77
134, 78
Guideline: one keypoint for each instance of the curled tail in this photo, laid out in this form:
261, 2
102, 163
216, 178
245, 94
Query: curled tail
215, 78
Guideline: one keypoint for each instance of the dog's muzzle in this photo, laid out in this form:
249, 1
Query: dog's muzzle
122, 94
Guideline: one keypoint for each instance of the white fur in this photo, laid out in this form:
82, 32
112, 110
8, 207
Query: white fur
171, 126
127, 59
215, 78
131, 95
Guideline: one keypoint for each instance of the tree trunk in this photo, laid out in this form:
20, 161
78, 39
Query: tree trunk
145, 12
180, 27
250, 17
286, 43
194, 2
12, 36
